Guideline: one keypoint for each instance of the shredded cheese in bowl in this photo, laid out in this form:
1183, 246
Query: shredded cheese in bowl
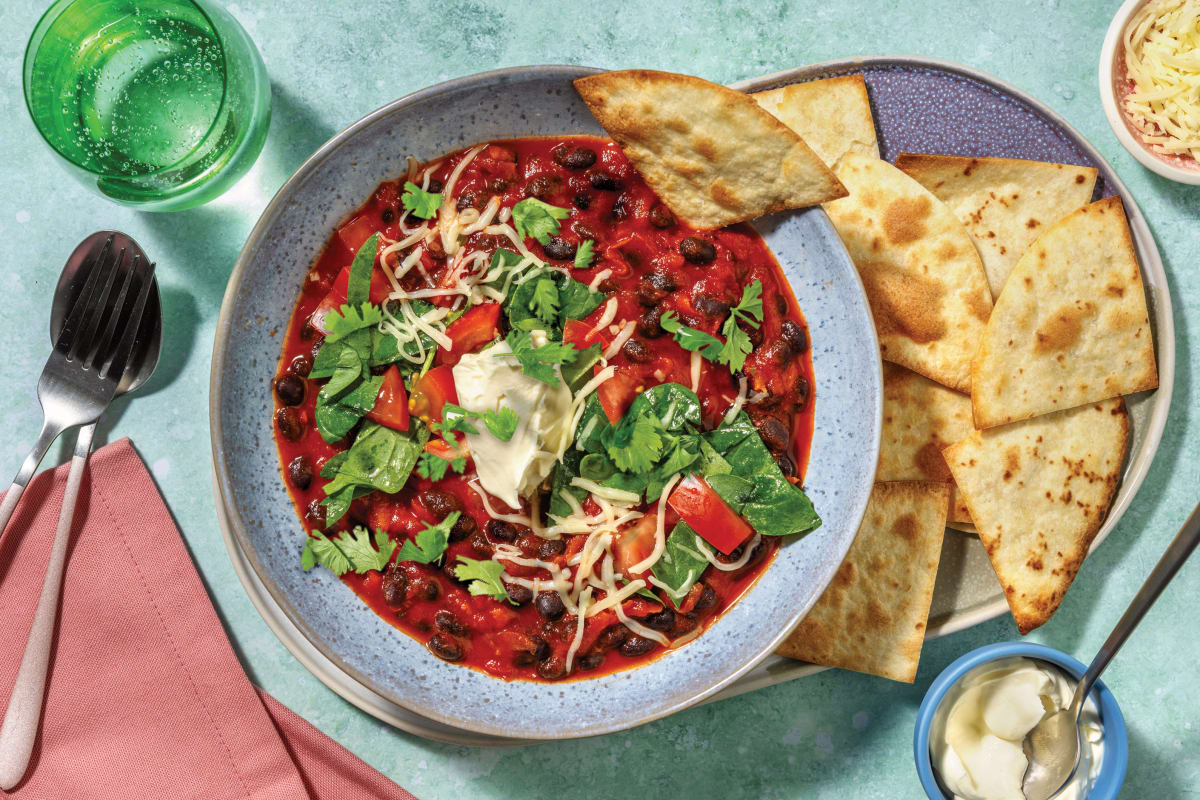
1162, 63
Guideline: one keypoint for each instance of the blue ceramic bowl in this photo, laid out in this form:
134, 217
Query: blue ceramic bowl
259, 301
1116, 738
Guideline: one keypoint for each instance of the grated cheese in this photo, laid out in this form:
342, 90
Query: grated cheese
623, 336
1162, 59
660, 534
738, 402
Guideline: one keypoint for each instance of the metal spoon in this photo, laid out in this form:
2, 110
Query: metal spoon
19, 728
1053, 747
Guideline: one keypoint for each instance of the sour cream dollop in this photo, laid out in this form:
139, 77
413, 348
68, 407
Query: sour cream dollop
976, 744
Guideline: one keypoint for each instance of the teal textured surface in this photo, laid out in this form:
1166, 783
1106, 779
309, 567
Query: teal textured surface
833, 735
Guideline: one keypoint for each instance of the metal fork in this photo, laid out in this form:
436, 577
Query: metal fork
90, 356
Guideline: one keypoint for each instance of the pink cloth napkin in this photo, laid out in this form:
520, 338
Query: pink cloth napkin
145, 697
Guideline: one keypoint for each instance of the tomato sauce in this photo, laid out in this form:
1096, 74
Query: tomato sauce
642, 247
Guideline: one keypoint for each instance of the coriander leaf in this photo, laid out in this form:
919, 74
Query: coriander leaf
539, 362
681, 564
459, 464
430, 542
308, 559
358, 285
501, 422
737, 346
433, 466
455, 418
323, 551
544, 303
421, 203
737, 342
751, 303
348, 319
364, 557
564, 471
691, 339
575, 301
536, 219
484, 577
634, 444
584, 254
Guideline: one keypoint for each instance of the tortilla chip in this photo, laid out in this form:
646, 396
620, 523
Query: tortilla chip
872, 616
832, 115
923, 277
1070, 327
1038, 491
711, 154
1005, 203
920, 418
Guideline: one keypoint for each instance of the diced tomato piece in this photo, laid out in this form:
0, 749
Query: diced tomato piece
634, 545
574, 545
335, 298
594, 627
479, 326
578, 334
391, 404
358, 230
496, 162
444, 450
640, 607
702, 508
616, 394
389, 513
432, 391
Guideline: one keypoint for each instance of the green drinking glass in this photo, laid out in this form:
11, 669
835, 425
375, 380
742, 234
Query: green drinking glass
157, 104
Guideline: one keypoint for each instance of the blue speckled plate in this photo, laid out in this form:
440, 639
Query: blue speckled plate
259, 301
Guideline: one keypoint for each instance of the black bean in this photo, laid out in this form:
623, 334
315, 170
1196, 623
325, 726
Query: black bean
591, 660
552, 669
498, 185
445, 620
773, 432
637, 646
314, 515
661, 280
794, 337
300, 472
654, 287
463, 527
584, 231
647, 295
432, 589
661, 216
697, 251
519, 594
650, 323
661, 621
301, 365
786, 465
379, 369
549, 548
543, 186
574, 157
603, 181
435, 249
754, 332
479, 543
612, 636
802, 392
394, 584
684, 623
439, 502
501, 531
307, 331
637, 351
388, 216
290, 422
559, 249
435, 186
583, 200
707, 304
707, 599
781, 305
445, 647
468, 199
538, 648
549, 605
290, 389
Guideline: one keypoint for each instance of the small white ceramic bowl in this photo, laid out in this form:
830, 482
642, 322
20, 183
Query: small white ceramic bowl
1111, 68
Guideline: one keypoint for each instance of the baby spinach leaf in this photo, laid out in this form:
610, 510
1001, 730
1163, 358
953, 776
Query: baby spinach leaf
358, 286
564, 471
681, 564
574, 299
380, 459
578, 370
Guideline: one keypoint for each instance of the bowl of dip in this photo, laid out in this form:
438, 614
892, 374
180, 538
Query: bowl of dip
1148, 90
974, 717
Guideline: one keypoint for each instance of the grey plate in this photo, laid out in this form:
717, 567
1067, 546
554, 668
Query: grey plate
258, 301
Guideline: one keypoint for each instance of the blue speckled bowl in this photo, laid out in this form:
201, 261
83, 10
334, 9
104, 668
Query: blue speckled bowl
1114, 760
259, 300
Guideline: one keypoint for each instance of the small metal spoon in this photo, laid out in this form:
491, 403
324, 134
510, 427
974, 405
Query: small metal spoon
1053, 747
21, 718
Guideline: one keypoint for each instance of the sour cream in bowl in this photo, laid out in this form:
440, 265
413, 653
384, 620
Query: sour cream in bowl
976, 714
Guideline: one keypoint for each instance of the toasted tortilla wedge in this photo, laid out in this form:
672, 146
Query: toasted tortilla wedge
1005, 203
1038, 491
920, 419
712, 154
923, 276
832, 115
872, 617
1070, 327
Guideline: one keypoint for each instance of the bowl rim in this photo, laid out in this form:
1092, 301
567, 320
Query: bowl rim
1115, 760
1116, 117
237, 525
